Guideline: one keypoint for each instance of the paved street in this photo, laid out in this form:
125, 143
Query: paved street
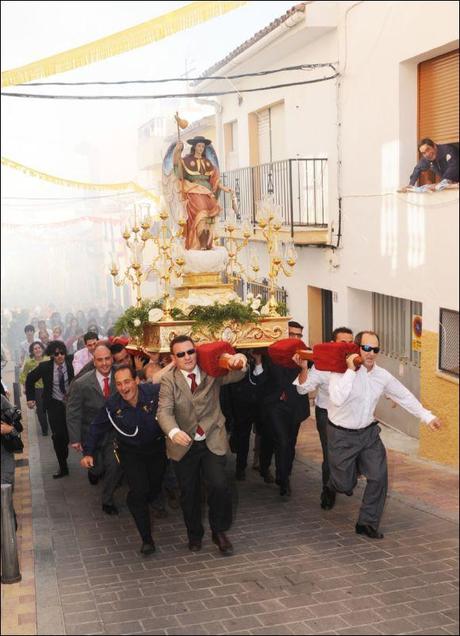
296, 568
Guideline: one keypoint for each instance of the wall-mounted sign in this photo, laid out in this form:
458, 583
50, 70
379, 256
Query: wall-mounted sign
416, 333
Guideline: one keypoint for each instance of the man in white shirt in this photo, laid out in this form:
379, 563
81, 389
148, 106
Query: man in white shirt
319, 381
354, 442
29, 330
85, 355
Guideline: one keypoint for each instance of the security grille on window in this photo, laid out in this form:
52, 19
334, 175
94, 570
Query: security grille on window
448, 342
393, 318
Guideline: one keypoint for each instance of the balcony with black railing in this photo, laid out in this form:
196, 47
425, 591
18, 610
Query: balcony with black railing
298, 186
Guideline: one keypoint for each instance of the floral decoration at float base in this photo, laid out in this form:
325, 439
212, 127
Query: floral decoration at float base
242, 324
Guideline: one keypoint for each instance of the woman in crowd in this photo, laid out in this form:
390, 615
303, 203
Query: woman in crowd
72, 333
37, 355
44, 337
57, 332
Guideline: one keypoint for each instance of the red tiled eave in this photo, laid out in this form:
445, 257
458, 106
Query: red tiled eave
255, 38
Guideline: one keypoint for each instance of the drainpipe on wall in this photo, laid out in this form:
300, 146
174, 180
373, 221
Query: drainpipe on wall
340, 78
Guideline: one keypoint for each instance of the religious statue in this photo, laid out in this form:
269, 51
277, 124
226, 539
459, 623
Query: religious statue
197, 189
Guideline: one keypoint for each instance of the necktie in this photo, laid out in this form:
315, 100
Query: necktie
61, 379
106, 389
193, 388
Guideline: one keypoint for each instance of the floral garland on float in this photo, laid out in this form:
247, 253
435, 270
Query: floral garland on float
202, 318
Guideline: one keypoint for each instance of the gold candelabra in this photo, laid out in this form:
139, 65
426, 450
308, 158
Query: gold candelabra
282, 258
135, 244
167, 262
234, 244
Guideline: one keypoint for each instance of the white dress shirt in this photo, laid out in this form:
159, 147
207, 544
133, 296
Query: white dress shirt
316, 381
354, 396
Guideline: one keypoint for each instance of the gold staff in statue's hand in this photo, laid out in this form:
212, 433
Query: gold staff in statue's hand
181, 125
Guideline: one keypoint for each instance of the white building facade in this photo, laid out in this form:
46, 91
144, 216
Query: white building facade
369, 256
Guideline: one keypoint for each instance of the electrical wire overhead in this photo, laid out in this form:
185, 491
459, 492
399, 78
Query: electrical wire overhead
173, 95
201, 78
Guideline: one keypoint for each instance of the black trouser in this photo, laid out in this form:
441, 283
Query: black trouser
321, 425
60, 436
199, 460
106, 465
283, 429
41, 415
241, 434
266, 448
144, 472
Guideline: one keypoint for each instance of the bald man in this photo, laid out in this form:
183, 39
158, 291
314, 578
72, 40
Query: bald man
88, 395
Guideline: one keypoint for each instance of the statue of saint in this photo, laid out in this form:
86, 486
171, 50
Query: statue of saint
199, 186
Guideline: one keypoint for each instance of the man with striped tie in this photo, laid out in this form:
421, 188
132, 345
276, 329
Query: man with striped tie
190, 415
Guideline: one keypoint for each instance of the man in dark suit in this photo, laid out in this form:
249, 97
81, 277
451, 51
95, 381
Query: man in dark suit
240, 403
283, 411
87, 396
56, 373
190, 416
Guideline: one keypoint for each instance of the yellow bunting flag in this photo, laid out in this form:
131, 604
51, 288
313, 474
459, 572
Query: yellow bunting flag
70, 183
157, 29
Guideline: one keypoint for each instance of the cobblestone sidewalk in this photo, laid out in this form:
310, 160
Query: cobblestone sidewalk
296, 569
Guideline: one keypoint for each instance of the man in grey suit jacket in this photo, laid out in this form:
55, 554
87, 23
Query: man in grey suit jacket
87, 396
189, 414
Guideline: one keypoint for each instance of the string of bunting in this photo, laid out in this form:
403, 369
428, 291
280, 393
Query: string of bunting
31, 172
140, 35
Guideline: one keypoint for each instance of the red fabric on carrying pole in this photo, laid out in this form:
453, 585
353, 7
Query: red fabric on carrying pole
208, 355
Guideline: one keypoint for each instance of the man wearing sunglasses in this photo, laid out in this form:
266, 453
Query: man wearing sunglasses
56, 373
319, 381
354, 442
190, 415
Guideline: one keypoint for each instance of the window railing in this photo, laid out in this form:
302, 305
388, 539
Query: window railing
299, 187
449, 342
243, 288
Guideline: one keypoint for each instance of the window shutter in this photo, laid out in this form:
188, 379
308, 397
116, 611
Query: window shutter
263, 133
438, 98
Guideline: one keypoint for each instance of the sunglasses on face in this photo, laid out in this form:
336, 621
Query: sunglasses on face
58, 353
368, 348
181, 354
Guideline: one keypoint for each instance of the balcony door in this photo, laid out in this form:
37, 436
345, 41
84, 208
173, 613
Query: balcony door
270, 133
267, 145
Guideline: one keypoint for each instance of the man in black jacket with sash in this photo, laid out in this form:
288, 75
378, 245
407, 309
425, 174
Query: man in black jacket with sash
141, 445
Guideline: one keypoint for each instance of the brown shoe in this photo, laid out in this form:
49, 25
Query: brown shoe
222, 542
